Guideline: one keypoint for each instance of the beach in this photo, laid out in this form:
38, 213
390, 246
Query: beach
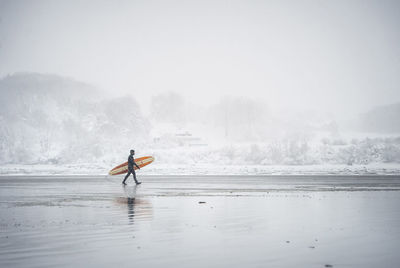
200, 221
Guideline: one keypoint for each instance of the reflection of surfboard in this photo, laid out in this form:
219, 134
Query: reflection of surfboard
123, 168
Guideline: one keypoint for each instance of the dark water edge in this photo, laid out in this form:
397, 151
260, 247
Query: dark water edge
198, 221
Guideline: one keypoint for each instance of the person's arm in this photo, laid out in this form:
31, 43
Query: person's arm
136, 164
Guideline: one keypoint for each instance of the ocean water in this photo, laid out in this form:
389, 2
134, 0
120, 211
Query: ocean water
200, 221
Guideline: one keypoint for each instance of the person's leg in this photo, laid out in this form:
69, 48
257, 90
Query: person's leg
127, 175
134, 177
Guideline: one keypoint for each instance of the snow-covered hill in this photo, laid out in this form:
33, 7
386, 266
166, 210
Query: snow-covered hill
52, 119
381, 119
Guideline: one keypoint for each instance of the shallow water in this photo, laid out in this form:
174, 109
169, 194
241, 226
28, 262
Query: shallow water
200, 221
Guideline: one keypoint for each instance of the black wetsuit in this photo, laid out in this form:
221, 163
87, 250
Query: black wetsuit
131, 169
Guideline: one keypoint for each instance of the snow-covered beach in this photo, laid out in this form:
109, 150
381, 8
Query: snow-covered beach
157, 169
200, 221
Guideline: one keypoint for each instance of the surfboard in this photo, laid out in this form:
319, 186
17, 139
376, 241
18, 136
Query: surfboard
123, 168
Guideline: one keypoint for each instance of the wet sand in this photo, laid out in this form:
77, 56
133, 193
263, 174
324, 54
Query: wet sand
200, 221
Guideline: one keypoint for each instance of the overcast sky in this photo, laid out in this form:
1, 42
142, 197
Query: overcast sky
340, 56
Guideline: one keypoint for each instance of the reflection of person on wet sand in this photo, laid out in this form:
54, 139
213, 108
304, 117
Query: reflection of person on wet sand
138, 208
131, 212
130, 193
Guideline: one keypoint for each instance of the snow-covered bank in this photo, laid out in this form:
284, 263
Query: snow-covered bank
206, 169
46, 127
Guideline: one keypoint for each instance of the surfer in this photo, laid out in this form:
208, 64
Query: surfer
131, 167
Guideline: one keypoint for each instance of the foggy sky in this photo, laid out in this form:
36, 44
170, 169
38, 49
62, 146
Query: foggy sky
337, 56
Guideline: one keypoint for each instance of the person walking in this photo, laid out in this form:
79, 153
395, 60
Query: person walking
131, 167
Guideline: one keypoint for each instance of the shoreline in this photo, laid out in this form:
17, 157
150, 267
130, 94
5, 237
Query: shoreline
284, 221
205, 170
224, 185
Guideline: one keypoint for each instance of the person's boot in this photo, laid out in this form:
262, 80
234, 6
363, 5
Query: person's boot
137, 182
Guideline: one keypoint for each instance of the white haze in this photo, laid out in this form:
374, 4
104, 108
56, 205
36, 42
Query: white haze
200, 82
340, 57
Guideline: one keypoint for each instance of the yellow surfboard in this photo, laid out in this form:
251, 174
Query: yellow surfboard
123, 168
